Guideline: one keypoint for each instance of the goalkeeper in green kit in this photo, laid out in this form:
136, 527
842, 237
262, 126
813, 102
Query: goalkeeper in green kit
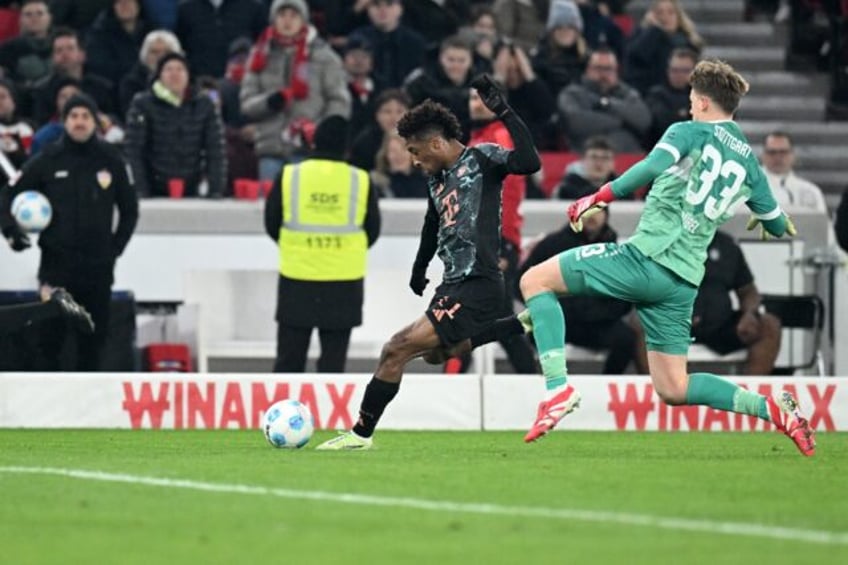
701, 171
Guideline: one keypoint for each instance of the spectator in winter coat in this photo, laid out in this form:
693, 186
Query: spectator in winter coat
77, 14
358, 63
669, 102
447, 82
294, 79
561, 54
206, 28
174, 135
587, 175
156, 45
398, 50
114, 41
342, 17
522, 21
68, 60
390, 106
436, 19
528, 95
394, 174
664, 28
26, 58
599, 29
600, 104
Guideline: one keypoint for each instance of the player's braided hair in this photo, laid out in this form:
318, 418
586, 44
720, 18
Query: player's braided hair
720, 83
429, 118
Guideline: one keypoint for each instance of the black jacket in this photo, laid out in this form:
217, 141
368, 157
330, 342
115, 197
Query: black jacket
110, 50
166, 141
432, 82
574, 185
206, 32
135, 81
309, 304
668, 105
84, 183
100, 89
396, 54
840, 224
646, 56
578, 309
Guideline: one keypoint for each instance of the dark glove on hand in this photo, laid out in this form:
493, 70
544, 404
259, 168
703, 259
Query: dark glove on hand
278, 100
491, 94
418, 281
17, 239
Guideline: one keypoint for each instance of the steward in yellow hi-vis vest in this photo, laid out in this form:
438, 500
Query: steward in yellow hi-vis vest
324, 204
324, 215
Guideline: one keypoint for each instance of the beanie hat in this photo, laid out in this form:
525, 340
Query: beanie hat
172, 56
564, 13
299, 5
331, 135
78, 100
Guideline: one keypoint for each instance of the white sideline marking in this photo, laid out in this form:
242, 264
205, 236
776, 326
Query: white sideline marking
662, 522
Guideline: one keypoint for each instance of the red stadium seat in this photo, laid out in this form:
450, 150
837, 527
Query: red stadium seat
168, 358
624, 23
9, 20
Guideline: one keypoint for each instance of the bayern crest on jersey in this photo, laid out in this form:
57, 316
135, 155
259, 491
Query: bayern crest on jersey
104, 179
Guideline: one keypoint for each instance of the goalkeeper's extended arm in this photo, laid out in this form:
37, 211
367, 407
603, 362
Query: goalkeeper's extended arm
636, 176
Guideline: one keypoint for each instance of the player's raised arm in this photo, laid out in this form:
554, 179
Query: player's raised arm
524, 159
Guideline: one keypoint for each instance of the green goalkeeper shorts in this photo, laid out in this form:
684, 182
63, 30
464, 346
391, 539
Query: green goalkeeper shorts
663, 300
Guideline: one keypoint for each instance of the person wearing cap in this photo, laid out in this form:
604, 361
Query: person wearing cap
175, 135
294, 78
324, 215
207, 27
561, 54
86, 180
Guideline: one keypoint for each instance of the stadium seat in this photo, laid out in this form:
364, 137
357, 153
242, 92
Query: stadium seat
9, 21
168, 358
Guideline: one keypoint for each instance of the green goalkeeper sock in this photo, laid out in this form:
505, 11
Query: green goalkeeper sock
549, 333
716, 392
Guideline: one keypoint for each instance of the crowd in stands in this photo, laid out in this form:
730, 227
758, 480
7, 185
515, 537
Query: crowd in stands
209, 91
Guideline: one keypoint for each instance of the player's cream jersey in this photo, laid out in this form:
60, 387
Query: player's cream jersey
715, 171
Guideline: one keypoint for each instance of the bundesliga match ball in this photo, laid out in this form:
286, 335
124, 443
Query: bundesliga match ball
32, 211
288, 423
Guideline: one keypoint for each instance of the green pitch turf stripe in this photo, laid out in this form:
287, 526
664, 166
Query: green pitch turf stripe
661, 522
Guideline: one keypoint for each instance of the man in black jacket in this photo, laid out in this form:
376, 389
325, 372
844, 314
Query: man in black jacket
84, 179
598, 320
322, 267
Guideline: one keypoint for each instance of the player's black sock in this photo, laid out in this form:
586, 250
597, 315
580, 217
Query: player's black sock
378, 394
500, 330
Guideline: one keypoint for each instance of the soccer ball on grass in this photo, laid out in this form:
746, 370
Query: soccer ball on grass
288, 423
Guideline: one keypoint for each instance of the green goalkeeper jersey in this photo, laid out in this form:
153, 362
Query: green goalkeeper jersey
714, 171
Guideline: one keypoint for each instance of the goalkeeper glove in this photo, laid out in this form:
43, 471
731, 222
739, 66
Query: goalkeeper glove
589, 205
764, 234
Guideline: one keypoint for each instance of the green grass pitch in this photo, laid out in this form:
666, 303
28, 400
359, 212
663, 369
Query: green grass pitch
574, 497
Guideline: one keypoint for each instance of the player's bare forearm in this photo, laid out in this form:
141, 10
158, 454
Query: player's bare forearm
524, 159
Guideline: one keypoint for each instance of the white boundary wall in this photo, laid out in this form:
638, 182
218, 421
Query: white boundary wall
426, 402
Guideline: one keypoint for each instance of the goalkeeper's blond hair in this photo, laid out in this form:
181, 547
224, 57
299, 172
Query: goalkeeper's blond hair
720, 83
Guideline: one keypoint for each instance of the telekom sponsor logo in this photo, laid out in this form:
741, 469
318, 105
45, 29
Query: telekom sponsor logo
636, 407
212, 405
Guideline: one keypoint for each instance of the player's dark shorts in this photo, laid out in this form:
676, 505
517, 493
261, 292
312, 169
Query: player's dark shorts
724, 339
461, 310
